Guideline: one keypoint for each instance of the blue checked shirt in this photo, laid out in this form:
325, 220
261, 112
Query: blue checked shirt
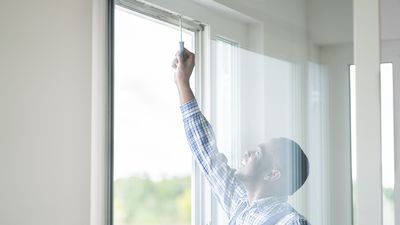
230, 192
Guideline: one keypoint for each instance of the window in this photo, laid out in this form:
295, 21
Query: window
353, 136
226, 109
387, 140
387, 143
152, 162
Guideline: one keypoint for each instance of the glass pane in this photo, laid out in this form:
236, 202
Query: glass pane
292, 82
387, 143
152, 162
353, 138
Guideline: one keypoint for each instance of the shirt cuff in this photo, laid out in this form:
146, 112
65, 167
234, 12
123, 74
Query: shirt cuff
189, 108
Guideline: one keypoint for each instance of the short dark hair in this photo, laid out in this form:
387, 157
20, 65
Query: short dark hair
292, 162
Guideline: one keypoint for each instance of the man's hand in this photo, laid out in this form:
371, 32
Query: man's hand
183, 65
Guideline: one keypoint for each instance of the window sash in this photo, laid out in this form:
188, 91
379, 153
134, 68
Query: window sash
200, 194
160, 14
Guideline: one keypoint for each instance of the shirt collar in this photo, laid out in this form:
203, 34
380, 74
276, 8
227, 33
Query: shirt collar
270, 201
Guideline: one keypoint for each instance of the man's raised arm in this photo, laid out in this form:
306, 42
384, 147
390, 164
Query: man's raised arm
201, 139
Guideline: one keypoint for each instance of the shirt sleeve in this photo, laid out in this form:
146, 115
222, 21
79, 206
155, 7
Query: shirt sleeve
296, 219
201, 138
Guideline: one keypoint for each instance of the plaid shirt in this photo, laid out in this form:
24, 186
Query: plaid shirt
229, 191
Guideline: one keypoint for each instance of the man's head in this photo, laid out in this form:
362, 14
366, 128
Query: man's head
279, 166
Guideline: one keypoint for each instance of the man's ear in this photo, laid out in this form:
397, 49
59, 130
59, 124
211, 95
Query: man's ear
273, 175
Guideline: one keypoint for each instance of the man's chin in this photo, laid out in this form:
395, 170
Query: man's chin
243, 176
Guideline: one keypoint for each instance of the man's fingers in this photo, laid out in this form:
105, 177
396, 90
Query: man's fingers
188, 53
180, 58
191, 58
174, 63
177, 57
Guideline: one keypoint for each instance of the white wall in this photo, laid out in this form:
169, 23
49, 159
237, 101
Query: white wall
336, 59
330, 22
45, 100
284, 26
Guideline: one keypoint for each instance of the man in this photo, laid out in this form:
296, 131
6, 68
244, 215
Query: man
257, 192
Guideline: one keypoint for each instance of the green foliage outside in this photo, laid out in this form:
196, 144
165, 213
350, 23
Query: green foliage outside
141, 201
388, 206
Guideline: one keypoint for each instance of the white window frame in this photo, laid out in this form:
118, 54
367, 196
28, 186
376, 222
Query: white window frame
102, 83
203, 203
199, 194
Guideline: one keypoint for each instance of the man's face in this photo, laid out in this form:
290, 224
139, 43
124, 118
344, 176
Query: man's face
255, 164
